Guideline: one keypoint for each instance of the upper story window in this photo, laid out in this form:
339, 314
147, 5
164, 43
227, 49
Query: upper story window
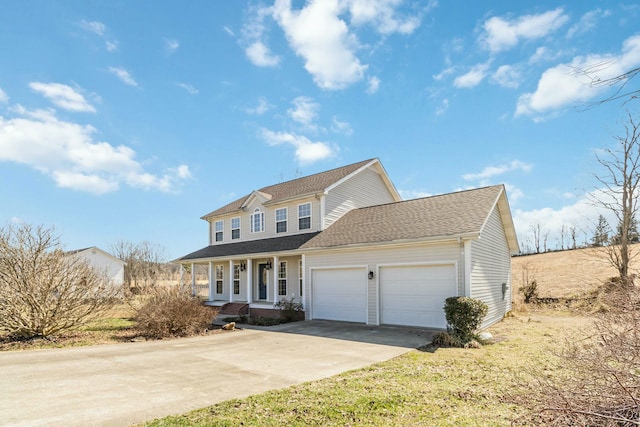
257, 221
235, 228
219, 230
304, 216
281, 220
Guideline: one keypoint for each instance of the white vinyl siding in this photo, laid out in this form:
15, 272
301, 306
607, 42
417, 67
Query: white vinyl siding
490, 268
363, 189
433, 253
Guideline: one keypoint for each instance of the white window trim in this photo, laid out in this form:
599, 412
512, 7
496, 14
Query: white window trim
257, 211
286, 220
310, 216
236, 278
220, 278
280, 278
216, 231
237, 228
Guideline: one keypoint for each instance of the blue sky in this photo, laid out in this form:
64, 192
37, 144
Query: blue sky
132, 119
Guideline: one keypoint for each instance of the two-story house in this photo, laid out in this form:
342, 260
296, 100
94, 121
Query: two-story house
345, 244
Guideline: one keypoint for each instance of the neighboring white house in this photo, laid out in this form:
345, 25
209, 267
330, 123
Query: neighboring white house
103, 262
345, 244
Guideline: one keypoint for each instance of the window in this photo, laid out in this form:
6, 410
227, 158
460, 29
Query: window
219, 277
282, 278
236, 279
219, 229
300, 275
304, 216
281, 220
257, 221
235, 228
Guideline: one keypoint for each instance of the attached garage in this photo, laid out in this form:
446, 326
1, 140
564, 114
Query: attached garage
414, 295
340, 294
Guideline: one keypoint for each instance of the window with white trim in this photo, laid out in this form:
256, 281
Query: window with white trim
219, 230
219, 278
304, 216
282, 278
281, 220
236, 279
257, 221
235, 228
300, 274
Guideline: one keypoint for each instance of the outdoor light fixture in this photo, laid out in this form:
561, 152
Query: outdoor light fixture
269, 265
370, 274
243, 266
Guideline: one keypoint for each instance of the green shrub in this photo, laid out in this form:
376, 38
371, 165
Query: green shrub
464, 317
173, 312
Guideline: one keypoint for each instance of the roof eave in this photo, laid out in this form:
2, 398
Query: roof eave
431, 239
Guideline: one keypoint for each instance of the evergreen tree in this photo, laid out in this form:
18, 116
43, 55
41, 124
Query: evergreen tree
601, 234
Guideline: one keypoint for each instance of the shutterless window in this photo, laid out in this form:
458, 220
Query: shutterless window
236, 279
304, 216
219, 230
300, 275
219, 277
235, 228
257, 221
281, 220
282, 278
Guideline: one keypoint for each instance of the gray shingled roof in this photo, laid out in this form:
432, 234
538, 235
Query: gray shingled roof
272, 245
298, 187
447, 215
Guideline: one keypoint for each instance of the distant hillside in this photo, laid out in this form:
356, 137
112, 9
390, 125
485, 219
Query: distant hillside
565, 273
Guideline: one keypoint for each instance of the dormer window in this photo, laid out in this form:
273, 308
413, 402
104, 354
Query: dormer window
257, 221
304, 216
219, 230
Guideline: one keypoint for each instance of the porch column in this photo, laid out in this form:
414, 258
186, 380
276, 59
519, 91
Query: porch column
211, 295
275, 279
194, 290
249, 281
230, 280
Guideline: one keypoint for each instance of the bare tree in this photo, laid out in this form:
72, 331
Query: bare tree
44, 290
535, 229
145, 263
621, 181
572, 233
619, 82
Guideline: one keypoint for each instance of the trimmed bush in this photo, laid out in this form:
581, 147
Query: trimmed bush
173, 312
290, 310
464, 317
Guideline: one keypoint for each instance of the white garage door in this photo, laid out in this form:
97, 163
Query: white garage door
414, 295
340, 294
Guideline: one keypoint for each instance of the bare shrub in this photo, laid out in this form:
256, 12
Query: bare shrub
529, 286
596, 380
172, 312
44, 290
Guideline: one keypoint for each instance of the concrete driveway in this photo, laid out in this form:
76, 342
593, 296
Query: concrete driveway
121, 384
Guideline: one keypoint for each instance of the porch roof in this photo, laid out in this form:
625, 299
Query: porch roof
275, 244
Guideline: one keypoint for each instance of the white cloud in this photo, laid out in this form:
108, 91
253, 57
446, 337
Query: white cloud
442, 74
561, 85
307, 151
507, 76
443, 107
189, 88
374, 85
587, 22
260, 55
262, 107
502, 34
304, 111
318, 35
4, 98
229, 31
382, 15
63, 96
95, 27
68, 153
473, 77
171, 45
123, 75
491, 171
413, 194
111, 45
339, 126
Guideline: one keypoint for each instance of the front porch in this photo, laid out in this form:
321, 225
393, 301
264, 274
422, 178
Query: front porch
257, 282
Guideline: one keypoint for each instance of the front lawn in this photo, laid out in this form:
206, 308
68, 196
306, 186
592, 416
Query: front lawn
441, 387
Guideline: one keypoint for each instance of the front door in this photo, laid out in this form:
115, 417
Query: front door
262, 281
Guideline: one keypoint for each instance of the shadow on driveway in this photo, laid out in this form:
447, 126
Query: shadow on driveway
397, 336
